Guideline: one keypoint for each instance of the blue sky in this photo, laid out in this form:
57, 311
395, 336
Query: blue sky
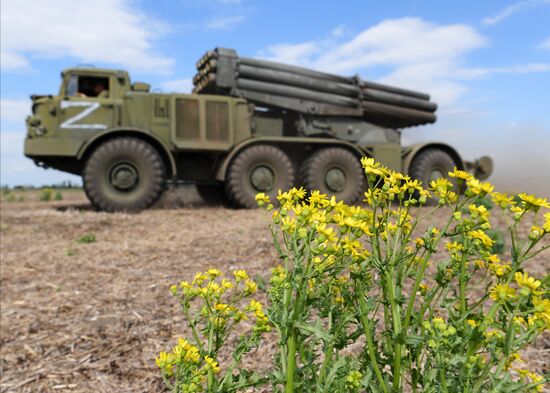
486, 63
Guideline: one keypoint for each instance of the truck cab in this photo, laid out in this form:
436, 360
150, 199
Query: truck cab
88, 103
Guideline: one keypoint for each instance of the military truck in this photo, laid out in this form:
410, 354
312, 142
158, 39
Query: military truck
250, 126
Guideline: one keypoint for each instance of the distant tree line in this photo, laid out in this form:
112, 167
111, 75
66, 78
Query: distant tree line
66, 184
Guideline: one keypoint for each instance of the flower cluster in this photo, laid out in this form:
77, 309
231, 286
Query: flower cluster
354, 261
213, 306
186, 362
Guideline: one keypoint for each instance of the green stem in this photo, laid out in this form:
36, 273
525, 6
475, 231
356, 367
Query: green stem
396, 318
326, 361
370, 344
191, 324
420, 276
291, 362
443, 380
210, 371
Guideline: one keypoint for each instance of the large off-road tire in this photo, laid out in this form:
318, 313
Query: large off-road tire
212, 194
431, 164
259, 168
334, 171
124, 174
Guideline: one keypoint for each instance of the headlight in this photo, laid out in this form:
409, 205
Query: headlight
34, 125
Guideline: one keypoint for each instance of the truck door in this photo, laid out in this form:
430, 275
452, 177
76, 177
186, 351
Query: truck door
86, 105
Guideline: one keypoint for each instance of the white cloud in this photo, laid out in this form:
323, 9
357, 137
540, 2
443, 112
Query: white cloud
413, 53
104, 31
14, 111
521, 69
513, 9
419, 54
178, 85
225, 23
545, 44
300, 54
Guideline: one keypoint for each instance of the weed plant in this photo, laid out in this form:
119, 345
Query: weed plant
377, 298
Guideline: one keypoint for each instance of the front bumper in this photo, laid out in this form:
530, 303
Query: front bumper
36, 147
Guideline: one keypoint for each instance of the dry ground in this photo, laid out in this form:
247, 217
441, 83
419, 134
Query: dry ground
91, 317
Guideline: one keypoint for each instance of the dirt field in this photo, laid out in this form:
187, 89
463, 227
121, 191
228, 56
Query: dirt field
89, 317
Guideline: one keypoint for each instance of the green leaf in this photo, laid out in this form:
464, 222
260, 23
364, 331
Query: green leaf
316, 330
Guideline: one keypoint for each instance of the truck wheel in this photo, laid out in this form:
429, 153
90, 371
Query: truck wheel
334, 171
431, 164
124, 174
259, 168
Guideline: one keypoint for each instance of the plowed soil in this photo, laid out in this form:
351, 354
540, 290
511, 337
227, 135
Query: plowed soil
90, 317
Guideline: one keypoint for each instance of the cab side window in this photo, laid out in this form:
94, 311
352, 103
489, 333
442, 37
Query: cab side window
88, 86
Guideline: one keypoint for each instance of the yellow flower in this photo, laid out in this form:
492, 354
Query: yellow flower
502, 200
478, 234
165, 361
494, 334
255, 306
372, 167
412, 185
536, 233
479, 263
542, 310
546, 225
423, 289
442, 183
419, 242
473, 324
199, 278
439, 324
476, 187
288, 224
222, 308
226, 284
479, 211
502, 293
511, 359
213, 273
212, 364
326, 233
529, 285
458, 174
496, 266
318, 199
250, 287
519, 321
262, 199
192, 355
297, 193
453, 247
531, 202
240, 275
534, 377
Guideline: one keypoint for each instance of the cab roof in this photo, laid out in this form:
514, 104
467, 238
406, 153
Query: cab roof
93, 70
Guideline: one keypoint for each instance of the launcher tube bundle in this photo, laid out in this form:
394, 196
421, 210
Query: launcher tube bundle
276, 85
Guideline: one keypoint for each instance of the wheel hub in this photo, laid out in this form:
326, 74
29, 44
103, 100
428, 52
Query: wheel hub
436, 174
124, 177
262, 178
335, 180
